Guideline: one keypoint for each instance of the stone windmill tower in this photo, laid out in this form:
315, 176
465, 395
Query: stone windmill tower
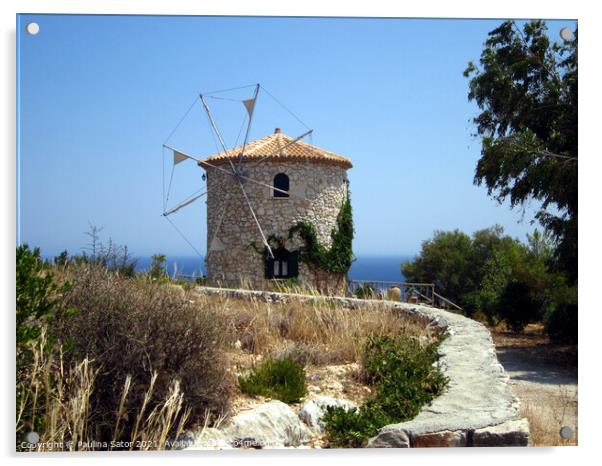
277, 208
294, 181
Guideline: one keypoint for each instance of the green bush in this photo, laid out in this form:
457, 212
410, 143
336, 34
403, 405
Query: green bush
158, 268
517, 307
366, 291
405, 377
38, 294
38, 303
561, 324
352, 428
492, 275
282, 379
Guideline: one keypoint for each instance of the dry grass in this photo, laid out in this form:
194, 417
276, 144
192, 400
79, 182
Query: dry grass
548, 411
315, 333
59, 399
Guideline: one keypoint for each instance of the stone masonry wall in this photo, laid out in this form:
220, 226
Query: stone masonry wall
317, 193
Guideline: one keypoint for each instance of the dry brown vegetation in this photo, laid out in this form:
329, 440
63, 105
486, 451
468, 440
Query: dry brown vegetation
60, 399
141, 359
316, 333
548, 411
325, 338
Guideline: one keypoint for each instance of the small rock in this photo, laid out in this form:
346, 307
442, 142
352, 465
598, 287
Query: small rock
390, 439
314, 388
334, 386
272, 425
314, 410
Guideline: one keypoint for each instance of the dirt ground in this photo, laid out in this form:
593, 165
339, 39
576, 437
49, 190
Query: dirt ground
544, 377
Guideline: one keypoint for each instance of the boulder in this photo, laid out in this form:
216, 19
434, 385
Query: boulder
268, 425
314, 410
390, 439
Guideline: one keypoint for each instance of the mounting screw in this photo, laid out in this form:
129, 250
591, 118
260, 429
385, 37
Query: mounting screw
566, 432
32, 28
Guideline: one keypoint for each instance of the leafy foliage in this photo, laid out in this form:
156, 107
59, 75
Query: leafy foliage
405, 377
493, 275
38, 303
561, 324
366, 291
517, 306
158, 268
337, 258
446, 261
38, 295
282, 379
526, 87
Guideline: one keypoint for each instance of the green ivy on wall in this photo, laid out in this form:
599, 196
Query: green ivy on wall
337, 258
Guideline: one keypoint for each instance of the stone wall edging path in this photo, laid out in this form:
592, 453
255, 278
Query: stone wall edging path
476, 409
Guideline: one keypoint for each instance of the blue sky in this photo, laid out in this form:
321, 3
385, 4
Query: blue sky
99, 95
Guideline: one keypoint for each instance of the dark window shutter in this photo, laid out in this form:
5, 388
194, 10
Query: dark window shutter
269, 267
293, 264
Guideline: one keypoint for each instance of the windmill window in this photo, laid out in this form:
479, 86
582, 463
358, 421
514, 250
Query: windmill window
281, 183
285, 264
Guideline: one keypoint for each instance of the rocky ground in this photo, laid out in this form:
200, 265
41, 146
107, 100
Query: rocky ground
544, 377
338, 382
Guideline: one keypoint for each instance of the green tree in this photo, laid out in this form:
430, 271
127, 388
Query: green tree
494, 275
526, 88
158, 267
457, 263
446, 261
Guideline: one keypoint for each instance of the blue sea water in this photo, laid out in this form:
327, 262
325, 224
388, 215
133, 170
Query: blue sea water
378, 268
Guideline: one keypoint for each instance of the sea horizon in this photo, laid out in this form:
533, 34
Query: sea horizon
364, 267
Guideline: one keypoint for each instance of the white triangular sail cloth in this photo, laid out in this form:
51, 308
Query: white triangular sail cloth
249, 105
179, 157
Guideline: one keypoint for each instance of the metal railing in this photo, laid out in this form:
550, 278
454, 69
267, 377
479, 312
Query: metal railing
418, 293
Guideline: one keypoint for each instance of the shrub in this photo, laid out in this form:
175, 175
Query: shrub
134, 327
366, 291
492, 275
517, 307
351, 428
158, 268
38, 294
282, 379
561, 324
405, 377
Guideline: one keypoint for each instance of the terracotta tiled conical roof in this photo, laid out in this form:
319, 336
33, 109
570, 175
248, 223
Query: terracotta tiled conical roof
273, 148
